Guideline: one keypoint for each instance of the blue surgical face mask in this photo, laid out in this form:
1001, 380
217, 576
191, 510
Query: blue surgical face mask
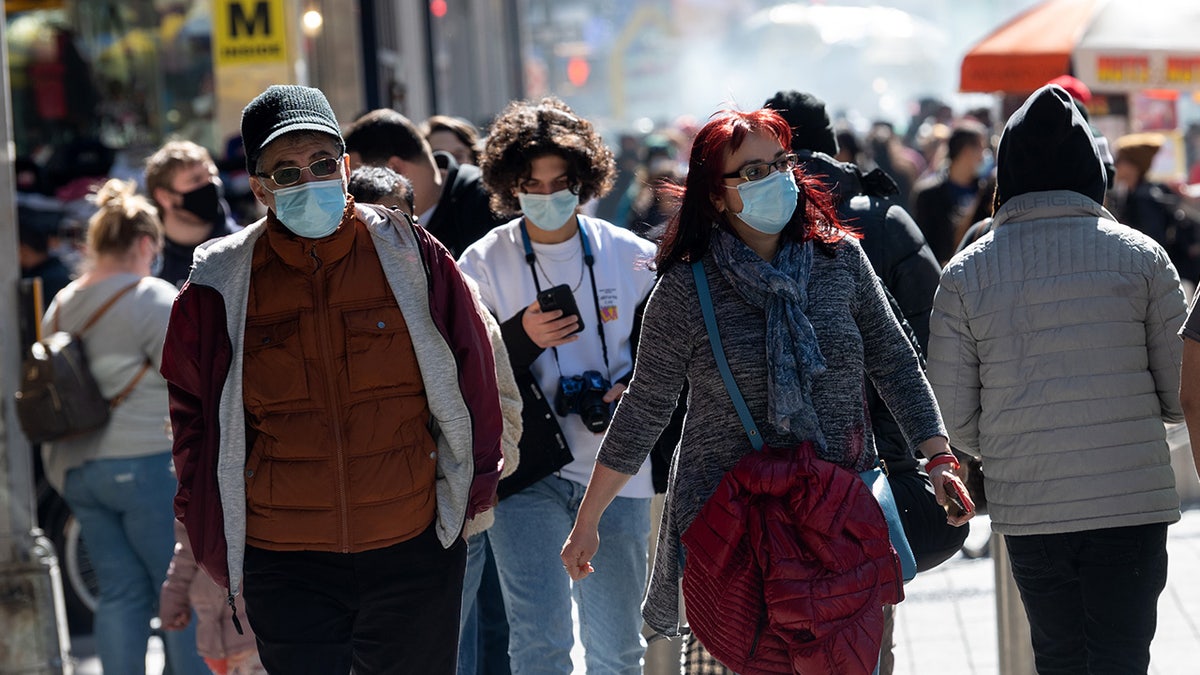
768, 204
549, 212
312, 210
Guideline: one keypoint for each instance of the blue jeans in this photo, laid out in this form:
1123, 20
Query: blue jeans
1091, 597
527, 539
126, 516
483, 633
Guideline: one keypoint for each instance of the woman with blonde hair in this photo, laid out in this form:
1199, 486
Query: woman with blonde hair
118, 479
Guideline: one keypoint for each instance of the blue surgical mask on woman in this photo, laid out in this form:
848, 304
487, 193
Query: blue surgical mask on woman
312, 210
549, 212
768, 204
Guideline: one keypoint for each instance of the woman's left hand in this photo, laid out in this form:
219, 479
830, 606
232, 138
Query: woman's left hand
945, 480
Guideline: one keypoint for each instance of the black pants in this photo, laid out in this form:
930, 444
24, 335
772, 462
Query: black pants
391, 610
1091, 597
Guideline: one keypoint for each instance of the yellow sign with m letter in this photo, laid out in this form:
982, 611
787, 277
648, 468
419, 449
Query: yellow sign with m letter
249, 32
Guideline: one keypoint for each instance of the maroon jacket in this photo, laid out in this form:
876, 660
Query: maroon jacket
202, 353
788, 567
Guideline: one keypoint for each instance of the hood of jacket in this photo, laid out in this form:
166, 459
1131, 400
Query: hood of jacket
1047, 145
845, 179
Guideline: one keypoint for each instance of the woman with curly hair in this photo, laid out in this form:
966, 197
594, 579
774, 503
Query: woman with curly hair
572, 361
803, 321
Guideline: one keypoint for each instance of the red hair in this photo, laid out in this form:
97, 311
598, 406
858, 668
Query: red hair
690, 228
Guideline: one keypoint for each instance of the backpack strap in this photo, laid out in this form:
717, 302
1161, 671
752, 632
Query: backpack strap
128, 389
99, 312
124, 393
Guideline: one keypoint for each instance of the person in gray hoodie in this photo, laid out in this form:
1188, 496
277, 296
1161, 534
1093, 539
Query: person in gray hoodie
1053, 355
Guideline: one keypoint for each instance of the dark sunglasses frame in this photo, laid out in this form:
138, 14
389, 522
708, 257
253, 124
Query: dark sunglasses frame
317, 169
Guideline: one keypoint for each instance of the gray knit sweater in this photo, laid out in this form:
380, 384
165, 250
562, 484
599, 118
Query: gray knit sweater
858, 334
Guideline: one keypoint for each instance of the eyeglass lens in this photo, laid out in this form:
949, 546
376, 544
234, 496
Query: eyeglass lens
760, 171
320, 169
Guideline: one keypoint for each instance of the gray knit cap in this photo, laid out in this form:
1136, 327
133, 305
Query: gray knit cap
281, 109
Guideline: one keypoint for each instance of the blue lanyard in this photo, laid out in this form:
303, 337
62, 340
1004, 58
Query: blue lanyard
590, 261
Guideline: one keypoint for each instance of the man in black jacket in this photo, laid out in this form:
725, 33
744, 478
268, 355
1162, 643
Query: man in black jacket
945, 204
455, 210
181, 179
906, 266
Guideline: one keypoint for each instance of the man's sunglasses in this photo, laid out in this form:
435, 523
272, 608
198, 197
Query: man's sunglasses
291, 175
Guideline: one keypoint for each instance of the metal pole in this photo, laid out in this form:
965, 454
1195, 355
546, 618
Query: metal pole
33, 632
1016, 650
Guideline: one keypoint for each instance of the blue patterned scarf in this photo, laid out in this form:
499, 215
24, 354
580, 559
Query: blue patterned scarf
794, 358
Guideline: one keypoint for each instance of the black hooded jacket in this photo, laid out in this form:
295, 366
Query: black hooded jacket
1047, 145
463, 215
900, 256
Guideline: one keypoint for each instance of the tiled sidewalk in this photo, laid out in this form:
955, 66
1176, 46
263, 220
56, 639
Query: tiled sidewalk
947, 623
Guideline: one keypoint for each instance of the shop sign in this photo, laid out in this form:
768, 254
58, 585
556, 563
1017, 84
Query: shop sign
1183, 71
249, 32
1123, 70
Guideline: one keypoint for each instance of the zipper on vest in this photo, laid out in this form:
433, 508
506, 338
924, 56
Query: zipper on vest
237, 625
321, 305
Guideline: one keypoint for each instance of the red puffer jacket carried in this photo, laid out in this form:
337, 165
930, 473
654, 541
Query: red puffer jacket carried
788, 566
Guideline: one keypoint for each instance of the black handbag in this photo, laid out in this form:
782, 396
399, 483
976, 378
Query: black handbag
544, 449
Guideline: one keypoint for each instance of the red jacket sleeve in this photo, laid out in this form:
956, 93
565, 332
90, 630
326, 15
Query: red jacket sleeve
195, 362
456, 315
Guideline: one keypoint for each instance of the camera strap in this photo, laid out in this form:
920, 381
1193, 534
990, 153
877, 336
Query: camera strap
590, 261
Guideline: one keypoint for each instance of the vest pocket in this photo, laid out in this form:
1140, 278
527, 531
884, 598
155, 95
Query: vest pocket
273, 367
379, 352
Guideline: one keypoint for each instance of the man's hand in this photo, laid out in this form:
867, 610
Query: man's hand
614, 394
548, 329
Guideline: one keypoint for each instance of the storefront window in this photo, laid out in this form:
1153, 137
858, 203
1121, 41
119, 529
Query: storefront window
105, 78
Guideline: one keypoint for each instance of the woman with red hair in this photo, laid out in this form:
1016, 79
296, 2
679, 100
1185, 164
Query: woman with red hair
802, 319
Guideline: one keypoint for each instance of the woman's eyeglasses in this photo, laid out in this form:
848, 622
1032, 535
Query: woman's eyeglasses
291, 175
753, 172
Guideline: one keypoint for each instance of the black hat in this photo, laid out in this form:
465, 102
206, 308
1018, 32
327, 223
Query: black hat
1047, 145
805, 113
283, 109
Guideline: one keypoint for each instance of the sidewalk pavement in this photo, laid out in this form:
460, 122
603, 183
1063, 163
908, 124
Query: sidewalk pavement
947, 622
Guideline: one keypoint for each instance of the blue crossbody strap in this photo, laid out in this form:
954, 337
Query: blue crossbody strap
875, 478
714, 339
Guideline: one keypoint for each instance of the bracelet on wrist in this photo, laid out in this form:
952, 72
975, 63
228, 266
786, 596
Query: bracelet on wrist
940, 459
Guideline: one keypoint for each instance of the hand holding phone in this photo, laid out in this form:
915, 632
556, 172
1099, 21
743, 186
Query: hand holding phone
560, 297
958, 502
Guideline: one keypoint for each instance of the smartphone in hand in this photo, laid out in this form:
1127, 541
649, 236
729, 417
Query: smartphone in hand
561, 297
956, 499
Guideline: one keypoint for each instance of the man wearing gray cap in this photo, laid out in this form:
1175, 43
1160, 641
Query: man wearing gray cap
335, 409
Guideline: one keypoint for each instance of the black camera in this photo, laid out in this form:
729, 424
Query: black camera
583, 395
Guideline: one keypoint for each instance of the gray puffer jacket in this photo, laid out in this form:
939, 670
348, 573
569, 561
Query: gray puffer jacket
1053, 355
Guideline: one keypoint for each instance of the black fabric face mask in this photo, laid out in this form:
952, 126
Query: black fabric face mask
204, 202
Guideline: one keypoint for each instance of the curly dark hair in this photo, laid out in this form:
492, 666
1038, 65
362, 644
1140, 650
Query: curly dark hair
527, 130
